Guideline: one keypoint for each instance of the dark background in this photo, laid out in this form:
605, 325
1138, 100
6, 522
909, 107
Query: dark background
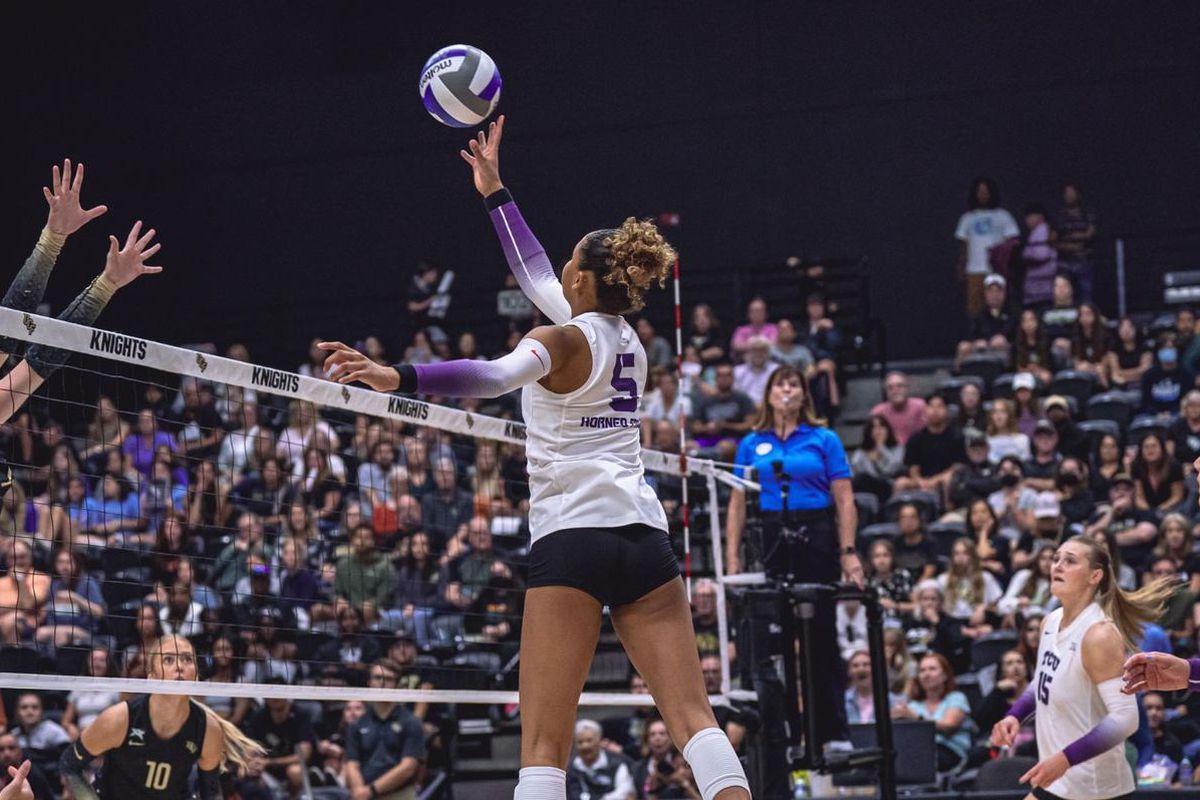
285, 157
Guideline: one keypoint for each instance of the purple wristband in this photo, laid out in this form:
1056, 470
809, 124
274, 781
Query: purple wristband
1194, 675
1024, 706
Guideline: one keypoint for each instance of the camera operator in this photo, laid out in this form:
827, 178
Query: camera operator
809, 522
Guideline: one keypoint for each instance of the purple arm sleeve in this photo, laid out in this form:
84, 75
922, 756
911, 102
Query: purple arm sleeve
1025, 706
527, 258
464, 378
1107, 734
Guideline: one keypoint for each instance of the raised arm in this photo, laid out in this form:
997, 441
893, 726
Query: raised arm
104, 734
525, 255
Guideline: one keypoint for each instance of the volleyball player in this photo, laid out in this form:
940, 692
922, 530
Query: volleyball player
599, 532
151, 742
122, 266
1083, 718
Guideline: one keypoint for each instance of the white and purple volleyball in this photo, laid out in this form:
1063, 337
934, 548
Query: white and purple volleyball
460, 85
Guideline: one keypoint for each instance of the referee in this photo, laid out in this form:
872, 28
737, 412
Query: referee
809, 524
385, 747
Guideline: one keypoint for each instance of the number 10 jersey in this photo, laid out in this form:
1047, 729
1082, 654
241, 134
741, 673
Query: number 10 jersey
584, 448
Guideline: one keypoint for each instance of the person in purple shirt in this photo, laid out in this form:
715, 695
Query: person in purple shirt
141, 445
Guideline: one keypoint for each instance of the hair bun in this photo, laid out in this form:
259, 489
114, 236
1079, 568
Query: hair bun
639, 257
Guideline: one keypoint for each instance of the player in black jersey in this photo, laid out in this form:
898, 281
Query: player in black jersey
151, 743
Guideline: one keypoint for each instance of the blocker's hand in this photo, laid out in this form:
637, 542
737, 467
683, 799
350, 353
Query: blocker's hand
346, 365
66, 213
484, 158
1152, 672
126, 264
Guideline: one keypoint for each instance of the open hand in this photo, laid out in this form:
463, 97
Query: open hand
484, 157
346, 365
66, 214
1046, 771
126, 264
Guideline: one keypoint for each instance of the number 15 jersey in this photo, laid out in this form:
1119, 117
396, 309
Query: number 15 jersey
584, 448
1069, 705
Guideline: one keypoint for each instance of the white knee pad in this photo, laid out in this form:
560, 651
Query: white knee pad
714, 763
541, 783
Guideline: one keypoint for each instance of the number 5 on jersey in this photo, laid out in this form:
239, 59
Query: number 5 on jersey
624, 385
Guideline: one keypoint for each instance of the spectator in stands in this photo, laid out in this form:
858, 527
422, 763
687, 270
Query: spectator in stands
24, 591
990, 329
1089, 343
161, 496
595, 774
892, 584
1025, 403
268, 494
118, 514
931, 629
1047, 527
202, 429
971, 413
375, 477
879, 460
1071, 440
1043, 464
1012, 678
140, 445
303, 425
1031, 351
365, 579
482, 584
934, 696
851, 625
1183, 436
1157, 478
1176, 540
933, 453
418, 594
107, 431
1029, 590
1166, 382
286, 733
1178, 619
226, 655
658, 351
12, 757
900, 665
821, 336
235, 454
860, 694
977, 477
751, 376
1165, 742
1129, 359
705, 619
448, 506
1107, 462
723, 417
1075, 235
662, 773
971, 592
230, 566
320, 488
1074, 496
983, 529
1059, 320
757, 324
207, 504
1134, 529
628, 734
905, 414
1038, 257
1003, 437
664, 404
915, 551
787, 352
346, 658
729, 718
385, 749
705, 336
299, 587
181, 614
416, 462
37, 732
982, 227
84, 705
76, 606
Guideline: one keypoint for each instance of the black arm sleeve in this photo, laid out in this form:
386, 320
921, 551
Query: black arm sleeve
210, 784
83, 310
74, 760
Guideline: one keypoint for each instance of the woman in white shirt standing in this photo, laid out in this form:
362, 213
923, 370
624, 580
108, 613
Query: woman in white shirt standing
983, 226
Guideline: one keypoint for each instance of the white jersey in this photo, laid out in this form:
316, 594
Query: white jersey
584, 449
1068, 706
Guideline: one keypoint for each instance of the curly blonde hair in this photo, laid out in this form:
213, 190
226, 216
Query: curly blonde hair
629, 260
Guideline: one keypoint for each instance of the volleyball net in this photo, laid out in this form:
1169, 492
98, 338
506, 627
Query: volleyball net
295, 530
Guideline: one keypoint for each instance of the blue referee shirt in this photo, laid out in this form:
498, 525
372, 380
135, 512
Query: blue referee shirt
812, 458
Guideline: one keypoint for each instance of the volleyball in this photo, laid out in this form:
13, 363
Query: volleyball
460, 85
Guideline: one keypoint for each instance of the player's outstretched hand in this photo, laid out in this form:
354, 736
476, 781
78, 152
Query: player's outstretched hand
344, 364
67, 215
1004, 732
126, 264
1152, 672
484, 157
1046, 771
18, 787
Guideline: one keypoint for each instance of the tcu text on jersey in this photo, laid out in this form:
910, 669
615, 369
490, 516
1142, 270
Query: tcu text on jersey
1045, 678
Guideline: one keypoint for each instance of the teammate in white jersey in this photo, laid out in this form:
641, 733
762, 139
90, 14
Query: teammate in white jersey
599, 532
1082, 717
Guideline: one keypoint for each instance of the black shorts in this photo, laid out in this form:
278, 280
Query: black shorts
614, 565
1042, 794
